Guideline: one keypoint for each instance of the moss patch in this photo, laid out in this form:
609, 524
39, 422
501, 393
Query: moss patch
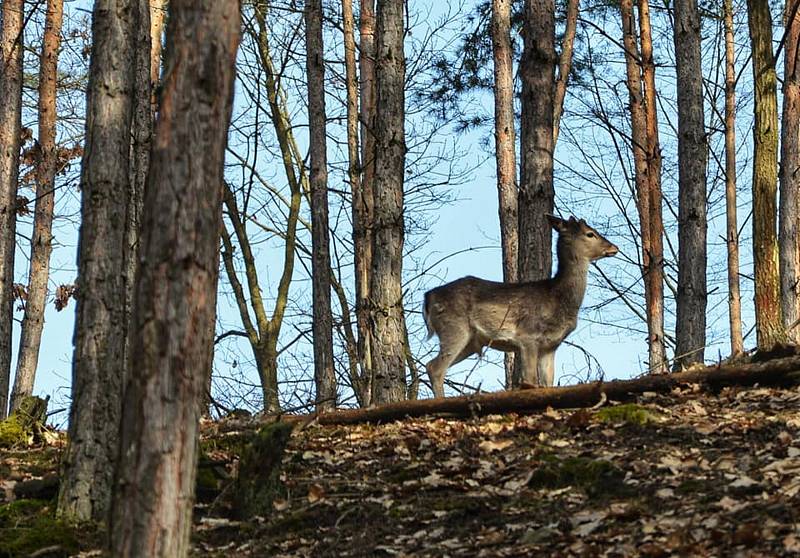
11, 433
595, 477
629, 413
30, 525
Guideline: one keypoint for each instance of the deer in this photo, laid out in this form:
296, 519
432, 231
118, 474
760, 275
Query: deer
531, 318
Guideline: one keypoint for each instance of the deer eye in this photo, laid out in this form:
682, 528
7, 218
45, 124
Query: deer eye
590, 235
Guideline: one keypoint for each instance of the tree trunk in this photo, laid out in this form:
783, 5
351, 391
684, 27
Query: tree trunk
361, 237
158, 13
732, 228
324, 377
100, 327
565, 64
41, 242
789, 180
690, 323
10, 124
769, 326
655, 273
505, 148
388, 358
363, 231
176, 291
536, 193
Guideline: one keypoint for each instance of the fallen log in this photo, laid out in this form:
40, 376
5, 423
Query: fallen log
775, 372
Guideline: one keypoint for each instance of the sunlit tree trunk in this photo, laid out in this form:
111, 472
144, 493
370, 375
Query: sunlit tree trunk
690, 323
732, 228
322, 327
505, 147
364, 203
42, 239
100, 326
790, 176
176, 291
386, 294
10, 124
769, 326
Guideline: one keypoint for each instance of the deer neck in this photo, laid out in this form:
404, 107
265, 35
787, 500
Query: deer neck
570, 280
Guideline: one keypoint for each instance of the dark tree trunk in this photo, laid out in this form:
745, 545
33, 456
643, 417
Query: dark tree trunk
536, 193
10, 124
690, 323
388, 357
42, 240
790, 176
176, 290
324, 376
769, 326
98, 373
505, 148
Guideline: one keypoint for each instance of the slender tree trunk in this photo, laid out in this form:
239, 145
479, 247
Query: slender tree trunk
98, 371
176, 292
386, 294
10, 124
505, 148
42, 240
789, 177
732, 228
769, 326
364, 203
361, 238
158, 14
690, 326
324, 376
565, 64
536, 193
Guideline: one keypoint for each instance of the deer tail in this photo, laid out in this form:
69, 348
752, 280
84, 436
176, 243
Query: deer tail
426, 314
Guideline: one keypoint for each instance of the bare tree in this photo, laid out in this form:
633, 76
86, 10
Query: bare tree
505, 147
325, 379
10, 126
732, 228
769, 325
176, 292
388, 355
41, 241
101, 326
789, 180
690, 323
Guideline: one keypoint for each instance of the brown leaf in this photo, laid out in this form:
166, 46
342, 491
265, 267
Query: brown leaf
315, 493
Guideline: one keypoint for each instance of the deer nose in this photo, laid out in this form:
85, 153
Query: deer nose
612, 251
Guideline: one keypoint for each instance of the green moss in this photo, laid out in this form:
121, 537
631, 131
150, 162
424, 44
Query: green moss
232, 443
595, 477
29, 525
11, 433
258, 483
626, 414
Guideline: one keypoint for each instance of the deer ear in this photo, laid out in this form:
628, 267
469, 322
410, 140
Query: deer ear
555, 222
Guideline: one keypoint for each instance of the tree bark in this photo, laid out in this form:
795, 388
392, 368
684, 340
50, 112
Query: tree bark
158, 13
505, 148
364, 236
769, 326
324, 377
361, 239
789, 180
10, 125
732, 228
98, 371
176, 292
536, 192
655, 273
565, 64
388, 358
42, 239
690, 323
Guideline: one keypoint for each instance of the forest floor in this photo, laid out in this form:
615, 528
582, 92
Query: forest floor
689, 473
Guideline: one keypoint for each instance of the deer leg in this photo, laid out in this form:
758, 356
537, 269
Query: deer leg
547, 368
529, 357
452, 349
